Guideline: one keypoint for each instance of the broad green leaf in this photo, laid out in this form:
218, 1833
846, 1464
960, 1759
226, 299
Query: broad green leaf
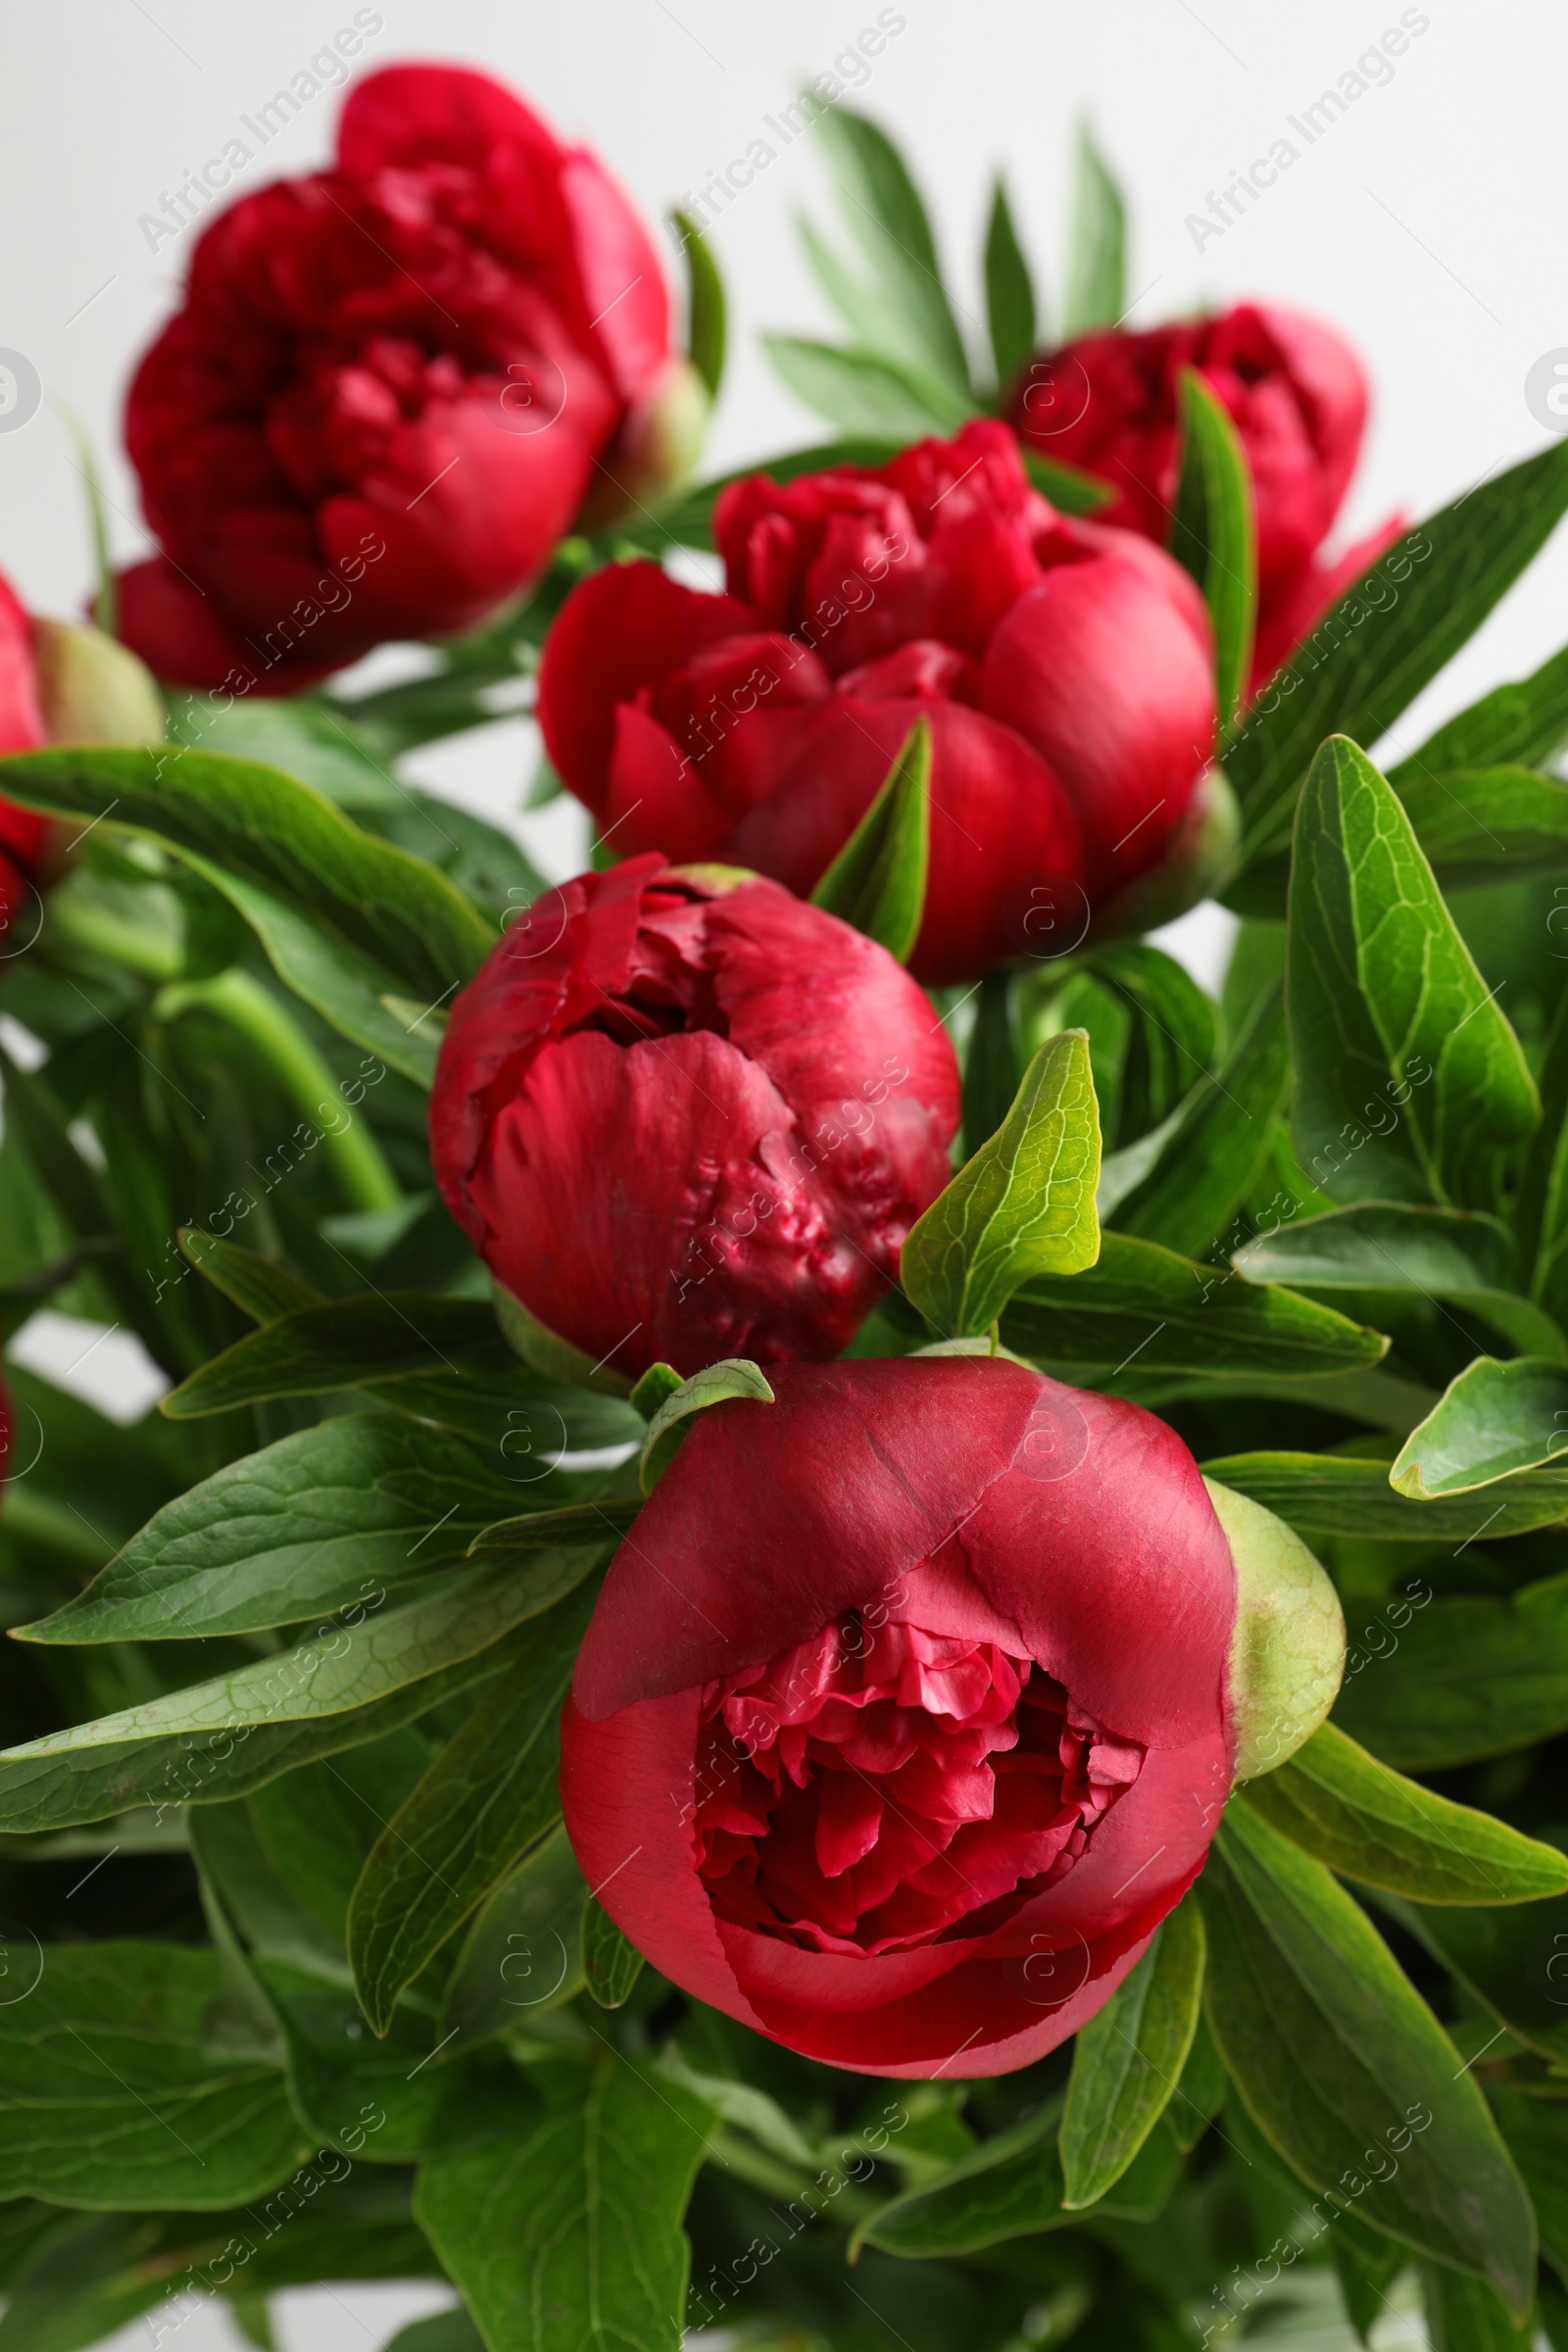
1340, 1805
257, 1285
1521, 724
330, 1519
108, 2096
1514, 1961
1214, 533
1490, 824
1440, 1253
1535, 2125
1011, 318
1013, 2186
717, 1384
1466, 2315
1097, 290
1022, 1206
1491, 1422
1334, 1494
304, 735
1464, 1679
1128, 2059
567, 2237
610, 1962
878, 881
340, 1344
489, 1796
522, 1956
1390, 1022
484, 864
705, 322
1211, 1161
1145, 1305
994, 1062
909, 313
1344, 2068
270, 830
864, 393
1391, 632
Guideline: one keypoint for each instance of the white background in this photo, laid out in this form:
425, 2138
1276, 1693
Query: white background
1428, 221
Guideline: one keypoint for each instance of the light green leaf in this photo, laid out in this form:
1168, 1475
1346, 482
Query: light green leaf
1463, 1678
705, 321
1022, 1206
1340, 1805
1521, 724
1011, 317
878, 881
717, 1384
861, 392
911, 315
611, 1963
1334, 1494
489, 1796
1494, 825
522, 1956
1410, 1084
1128, 2059
1491, 1422
1214, 533
1096, 289
567, 2237
1344, 2068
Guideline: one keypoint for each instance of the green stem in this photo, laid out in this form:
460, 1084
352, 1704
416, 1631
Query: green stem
357, 1158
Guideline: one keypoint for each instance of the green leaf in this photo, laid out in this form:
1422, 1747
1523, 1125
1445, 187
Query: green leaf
1390, 634
258, 1286
1022, 1206
882, 207
1013, 2186
878, 881
443, 2331
489, 1796
1097, 290
1011, 318
861, 392
1515, 1962
322, 1520
1342, 2067
109, 2098
1390, 1022
1484, 825
341, 1344
610, 1962
1200, 2092
1465, 1679
522, 1956
735, 1376
1139, 1303
1128, 2058
1334, 1495
1465, 2315
1174, 1036
1211, 1161
706, 323
1518, 724
1491, 1422
1540, 1204
1342, 1806
1535, 2125
1439, 1253
573, 1523
566, 2237
263, 826
1214, 533
994, 1062
1367, 2265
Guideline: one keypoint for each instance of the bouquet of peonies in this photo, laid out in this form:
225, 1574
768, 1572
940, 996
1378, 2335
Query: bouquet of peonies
842, 1625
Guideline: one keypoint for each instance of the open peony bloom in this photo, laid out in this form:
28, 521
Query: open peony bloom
391, 387
905, 1714
1066, 670
1295, 391
682, 1115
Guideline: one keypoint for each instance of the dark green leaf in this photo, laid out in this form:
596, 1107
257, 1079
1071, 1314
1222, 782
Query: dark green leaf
341, 1344
1211, 1161
1466, 2315
108, 2096
1214, 533
878, 881
1368, 1822
1390, 633
522, 1956
1390, 1022
1466, 1679
861, 392
1011, 318
263, 1289
706, 329
994, 1062
1334, 1495
1540, 1206
1514, 1961
1490, 1423
1345, 2069
488, 1796
718, 1384
331, 1518
573, 1523
1174, 1035
1535, 2125
443, 2331
1013, 2186
610, 1962
567, 2235
1020, 1208
909, 312
1128, 2058
1097, 290
1366, 2264
1141, 1302
1200, 2092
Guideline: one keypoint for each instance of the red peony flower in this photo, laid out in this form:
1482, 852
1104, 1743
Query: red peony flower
391, 387
681, 1115
902, 1719
1066, 668
1295, 392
